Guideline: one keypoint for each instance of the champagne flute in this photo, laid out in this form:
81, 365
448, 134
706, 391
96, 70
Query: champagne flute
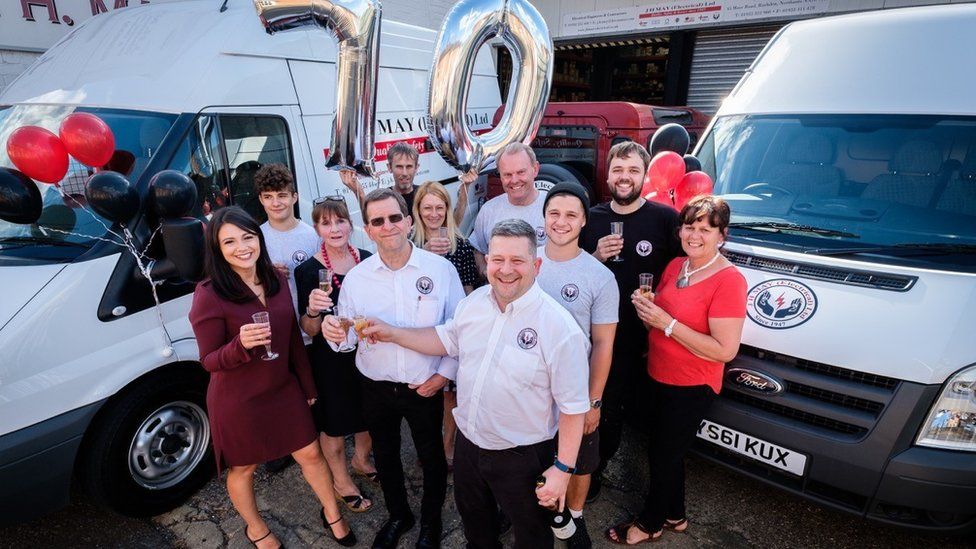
617, 228
325, 281
360, 323
646, 284
264, 318
345, 323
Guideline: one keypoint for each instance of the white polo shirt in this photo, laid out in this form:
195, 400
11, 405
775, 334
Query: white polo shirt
423, 293
519, 368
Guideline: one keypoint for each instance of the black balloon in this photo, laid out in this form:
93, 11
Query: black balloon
173, 194
20, 200
112, 196
670, 137
692, 164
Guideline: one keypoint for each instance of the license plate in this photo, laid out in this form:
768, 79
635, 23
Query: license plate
755, 448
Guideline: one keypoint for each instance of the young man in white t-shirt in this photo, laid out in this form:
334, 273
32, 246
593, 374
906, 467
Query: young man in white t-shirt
588, 290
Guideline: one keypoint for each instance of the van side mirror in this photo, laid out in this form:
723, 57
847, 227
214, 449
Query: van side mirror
183, 242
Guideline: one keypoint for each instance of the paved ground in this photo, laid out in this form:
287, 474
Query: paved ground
725, 509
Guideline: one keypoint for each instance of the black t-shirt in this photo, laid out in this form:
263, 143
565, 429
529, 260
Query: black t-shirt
650, 243
408, 198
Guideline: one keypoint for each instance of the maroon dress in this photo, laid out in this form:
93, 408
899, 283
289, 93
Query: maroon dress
258, 409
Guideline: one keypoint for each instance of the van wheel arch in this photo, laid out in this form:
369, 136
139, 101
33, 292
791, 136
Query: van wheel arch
559, 172
148, 448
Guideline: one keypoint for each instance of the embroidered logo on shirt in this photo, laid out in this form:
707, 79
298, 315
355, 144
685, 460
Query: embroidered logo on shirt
644, 248
570, 292
425, 285
299, 256
540, 234
527, 338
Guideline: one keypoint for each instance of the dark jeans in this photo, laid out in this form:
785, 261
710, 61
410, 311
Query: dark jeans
626, 382
676, 413
487, 479
385, 406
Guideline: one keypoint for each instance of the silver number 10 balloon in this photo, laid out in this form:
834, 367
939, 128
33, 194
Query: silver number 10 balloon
468, 25
356, 26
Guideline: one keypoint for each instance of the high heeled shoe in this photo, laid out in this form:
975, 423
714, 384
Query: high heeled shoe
346, 541
254, 542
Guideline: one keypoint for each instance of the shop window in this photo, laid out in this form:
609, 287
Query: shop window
252, 142
199, 158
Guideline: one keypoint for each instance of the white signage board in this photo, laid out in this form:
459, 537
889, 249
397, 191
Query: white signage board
35, 25
676, 14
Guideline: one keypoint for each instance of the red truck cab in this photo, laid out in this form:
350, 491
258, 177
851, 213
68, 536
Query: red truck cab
574, 138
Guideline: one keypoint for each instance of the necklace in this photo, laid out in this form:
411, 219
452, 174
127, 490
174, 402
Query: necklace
684, 281
336, 283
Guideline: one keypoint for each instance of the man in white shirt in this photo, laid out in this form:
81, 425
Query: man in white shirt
522, 376
410, 287
588, 290
517, 168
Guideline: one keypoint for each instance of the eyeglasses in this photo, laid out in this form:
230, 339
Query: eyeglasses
328, 198
380, 221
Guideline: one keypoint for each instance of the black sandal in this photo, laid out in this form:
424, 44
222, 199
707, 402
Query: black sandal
254, 542
372, 476
621, 531
678, 526
347, 541
355, 503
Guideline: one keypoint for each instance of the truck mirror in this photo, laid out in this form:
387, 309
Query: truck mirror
183, 242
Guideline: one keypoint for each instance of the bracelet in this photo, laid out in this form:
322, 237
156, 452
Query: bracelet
314, 316
563, 467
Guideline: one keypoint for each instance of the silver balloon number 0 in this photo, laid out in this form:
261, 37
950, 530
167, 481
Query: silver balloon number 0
467, 27
356, 26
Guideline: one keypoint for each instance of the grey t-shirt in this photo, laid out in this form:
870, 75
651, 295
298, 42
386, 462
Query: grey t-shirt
499, 209
291, 248
583, 286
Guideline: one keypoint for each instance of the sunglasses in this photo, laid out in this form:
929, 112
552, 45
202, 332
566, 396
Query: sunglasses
380, 221
328, 198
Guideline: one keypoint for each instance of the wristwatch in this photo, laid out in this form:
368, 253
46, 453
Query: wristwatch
670, 327
563, 467
596, 403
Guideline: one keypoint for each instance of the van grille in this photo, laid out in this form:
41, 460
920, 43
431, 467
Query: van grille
866, 279
835, 401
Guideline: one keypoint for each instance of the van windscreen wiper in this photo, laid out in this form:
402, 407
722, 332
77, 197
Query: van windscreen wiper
912, 248
21, 241
783, 226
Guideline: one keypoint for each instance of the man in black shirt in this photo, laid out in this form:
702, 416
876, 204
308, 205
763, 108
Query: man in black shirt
649, 243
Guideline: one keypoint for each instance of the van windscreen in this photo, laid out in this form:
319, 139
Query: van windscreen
901, 188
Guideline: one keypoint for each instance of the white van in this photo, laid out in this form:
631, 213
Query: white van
848, 155
86, 389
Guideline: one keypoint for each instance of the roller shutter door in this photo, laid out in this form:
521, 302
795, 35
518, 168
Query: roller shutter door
720, 59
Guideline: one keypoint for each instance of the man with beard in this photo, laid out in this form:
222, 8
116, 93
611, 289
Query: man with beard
649, 242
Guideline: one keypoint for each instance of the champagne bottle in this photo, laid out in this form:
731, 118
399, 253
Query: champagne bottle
562, 524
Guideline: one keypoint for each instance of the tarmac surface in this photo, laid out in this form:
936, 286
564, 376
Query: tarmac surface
725, 510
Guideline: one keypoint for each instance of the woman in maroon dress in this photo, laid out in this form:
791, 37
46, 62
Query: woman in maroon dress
258, 406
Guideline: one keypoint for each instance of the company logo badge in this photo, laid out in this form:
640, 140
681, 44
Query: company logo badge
540, 234
527, 338
570, 292
644, 248
781, 303
299, 256
752, 380
425, 285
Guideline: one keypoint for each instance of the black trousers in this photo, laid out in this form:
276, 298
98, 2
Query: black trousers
487, 479
385, 406
676, 413
626, 382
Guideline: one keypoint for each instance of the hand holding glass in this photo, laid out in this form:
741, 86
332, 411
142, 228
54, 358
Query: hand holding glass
325, 281
646, 284
264, 318
617, 229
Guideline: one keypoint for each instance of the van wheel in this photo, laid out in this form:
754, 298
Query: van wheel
557, 173
149, 450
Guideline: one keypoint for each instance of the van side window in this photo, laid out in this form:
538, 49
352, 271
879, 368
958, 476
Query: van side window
252, 142
199, 158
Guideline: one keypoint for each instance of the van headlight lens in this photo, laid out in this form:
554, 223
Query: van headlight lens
951, 424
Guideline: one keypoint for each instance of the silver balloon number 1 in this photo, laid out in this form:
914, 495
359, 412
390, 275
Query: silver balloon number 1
467, 27
356, 26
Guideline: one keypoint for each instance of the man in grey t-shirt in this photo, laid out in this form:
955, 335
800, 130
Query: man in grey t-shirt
517, 168
588, 290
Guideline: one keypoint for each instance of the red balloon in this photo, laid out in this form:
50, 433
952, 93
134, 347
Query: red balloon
38, 153
660, 198
664, 173
87, 138
690, 186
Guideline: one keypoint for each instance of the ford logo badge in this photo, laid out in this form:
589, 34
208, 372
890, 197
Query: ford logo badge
754, 381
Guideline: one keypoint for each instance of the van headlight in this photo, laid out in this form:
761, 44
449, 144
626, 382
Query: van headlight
951, 424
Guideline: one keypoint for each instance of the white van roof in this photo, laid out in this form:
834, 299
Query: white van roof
904, 61
186, 56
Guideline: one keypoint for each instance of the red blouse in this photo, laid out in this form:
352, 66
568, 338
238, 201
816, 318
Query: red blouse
722, 295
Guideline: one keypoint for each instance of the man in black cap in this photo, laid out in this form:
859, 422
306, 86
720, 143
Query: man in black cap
587, 289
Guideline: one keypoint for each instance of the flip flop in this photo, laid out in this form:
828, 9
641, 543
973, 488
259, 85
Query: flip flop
621, 531
355, 503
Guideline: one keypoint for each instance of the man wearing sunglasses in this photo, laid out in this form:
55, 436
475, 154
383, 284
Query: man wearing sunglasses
404, 286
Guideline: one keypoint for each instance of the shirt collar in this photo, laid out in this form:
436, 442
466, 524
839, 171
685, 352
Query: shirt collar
412, 261
522, 303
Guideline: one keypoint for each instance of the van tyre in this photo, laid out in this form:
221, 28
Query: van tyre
149, 449
557, 173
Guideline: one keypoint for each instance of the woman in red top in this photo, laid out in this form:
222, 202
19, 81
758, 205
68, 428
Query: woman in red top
258, 407
695, 325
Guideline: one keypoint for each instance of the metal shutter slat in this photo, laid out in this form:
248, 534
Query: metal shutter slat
720, 59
